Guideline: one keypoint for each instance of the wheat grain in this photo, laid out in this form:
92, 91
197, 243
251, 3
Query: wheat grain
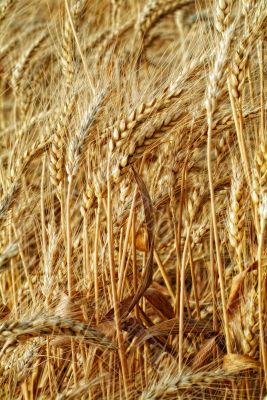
236, 214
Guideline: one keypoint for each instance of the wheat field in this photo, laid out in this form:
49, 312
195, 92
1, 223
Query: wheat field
133, 199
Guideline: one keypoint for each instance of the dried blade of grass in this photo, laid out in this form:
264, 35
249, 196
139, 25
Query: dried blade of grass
148, 209
206, 352
236, 288
9, 199
135, 328
164, 275
122, 308
171, 327
9, 252
4, 311
157, 299
235, 363
160, 302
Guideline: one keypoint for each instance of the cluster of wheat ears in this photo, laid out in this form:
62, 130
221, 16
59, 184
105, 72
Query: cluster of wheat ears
133, 199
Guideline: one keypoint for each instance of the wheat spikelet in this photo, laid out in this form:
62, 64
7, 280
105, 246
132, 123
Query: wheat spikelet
68, 45
68, 54
216, 77
240, 58
76, 144
259, 175
5, 8
87, 199
172, 383
107, 39
27, 157
124, 128
223, 9
154, 11
248, 5
222, 146
24, 61
56, 166
194, 199
116, 6
52, 326
251, 325
236, 215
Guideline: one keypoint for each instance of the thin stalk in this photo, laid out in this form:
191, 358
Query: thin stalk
122, 355
217, 241
125, 244
164, 276
96, 246
43, 206
194, 281
69, 238
240, 138
262, 80
87, 272
213, 279
260, 297
178, 240
182, 301
24, 264
134, 263
13, 280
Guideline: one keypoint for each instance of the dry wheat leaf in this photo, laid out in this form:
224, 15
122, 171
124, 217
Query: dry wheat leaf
206, 352
135, 328
238, 363
236, 288
160, 288
123, 307
4, 311
171, 327
160, 302
148, 209
9, 252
